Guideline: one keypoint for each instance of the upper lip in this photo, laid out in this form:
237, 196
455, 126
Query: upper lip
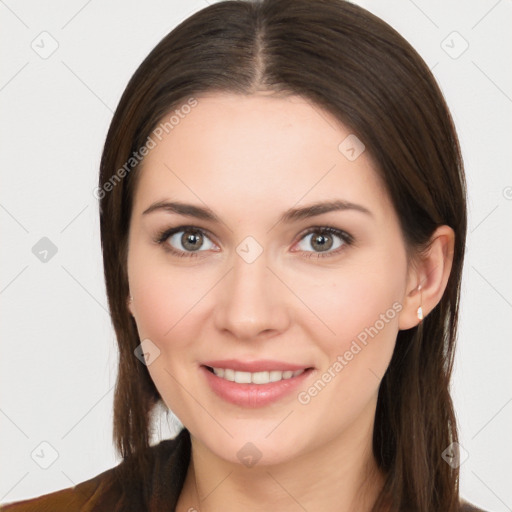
261, 365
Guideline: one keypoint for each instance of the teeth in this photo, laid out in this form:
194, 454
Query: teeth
256, 377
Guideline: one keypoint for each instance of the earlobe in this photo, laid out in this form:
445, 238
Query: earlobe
427, 282
419, 311
413, 310
129, 304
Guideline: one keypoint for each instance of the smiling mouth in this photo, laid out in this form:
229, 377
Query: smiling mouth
264, 377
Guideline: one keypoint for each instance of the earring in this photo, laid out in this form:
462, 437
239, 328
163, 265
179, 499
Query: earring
420, 309
130, 299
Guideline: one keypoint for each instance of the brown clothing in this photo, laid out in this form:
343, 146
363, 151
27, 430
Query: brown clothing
109, 491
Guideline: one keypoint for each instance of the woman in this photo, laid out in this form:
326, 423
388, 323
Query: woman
283, 222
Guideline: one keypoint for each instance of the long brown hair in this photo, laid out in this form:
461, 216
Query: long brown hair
354, 65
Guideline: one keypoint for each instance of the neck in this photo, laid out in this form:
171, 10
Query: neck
340, 475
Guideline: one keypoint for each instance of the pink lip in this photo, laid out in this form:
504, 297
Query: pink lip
252, 395
263, 365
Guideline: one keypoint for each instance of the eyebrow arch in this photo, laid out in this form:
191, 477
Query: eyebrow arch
291, 215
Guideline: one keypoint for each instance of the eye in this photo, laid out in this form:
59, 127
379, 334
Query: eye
184, 241
188, 241
321, 238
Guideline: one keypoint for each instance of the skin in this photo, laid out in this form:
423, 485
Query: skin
248, 159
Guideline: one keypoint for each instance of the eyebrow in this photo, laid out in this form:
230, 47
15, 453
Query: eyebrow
291, 215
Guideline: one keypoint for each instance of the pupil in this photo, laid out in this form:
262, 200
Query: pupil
323, 242
194, 240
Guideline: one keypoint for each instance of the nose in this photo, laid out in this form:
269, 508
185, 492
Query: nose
253, 302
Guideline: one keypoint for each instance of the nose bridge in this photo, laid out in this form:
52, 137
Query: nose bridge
252, 300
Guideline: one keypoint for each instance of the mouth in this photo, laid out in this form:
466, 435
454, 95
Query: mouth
260, 378
268, 382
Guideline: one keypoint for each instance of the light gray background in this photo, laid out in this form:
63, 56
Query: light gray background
58, 361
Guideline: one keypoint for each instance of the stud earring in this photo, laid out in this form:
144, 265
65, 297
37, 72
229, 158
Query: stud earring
420, 309
130, 299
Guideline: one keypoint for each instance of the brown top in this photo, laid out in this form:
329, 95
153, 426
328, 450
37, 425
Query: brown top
109, 492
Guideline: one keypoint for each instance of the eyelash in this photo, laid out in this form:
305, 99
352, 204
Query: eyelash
164, 235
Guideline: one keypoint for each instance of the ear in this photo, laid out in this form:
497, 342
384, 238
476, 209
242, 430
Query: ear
431, 271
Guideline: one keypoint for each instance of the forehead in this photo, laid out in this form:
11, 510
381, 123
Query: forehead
261, 149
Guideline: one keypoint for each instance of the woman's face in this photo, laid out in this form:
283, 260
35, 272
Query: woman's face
262, 285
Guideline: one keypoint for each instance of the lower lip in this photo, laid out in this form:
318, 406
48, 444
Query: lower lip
253, 395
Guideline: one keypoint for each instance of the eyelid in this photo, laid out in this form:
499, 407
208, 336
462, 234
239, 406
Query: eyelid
344, 235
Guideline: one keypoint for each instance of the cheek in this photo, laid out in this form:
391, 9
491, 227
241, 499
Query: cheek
167, 313
364, 319
166, 296
361, 308
352, 302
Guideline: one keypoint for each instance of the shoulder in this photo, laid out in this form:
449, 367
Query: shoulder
112, 489
465, 506
71, 498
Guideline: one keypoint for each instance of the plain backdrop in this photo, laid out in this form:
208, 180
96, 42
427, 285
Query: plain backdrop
64, 65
